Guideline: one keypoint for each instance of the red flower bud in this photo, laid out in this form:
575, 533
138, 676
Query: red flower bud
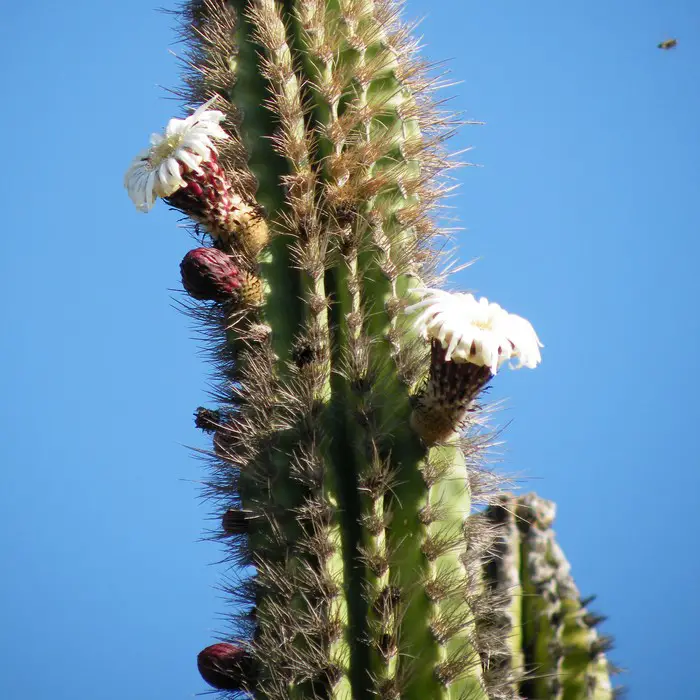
224, 666
206, 419
208, 273
234, 522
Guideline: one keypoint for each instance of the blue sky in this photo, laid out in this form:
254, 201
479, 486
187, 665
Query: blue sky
584, 218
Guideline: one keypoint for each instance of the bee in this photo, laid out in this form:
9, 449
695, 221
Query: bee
668, 44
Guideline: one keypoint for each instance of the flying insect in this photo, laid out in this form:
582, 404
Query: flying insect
668, 44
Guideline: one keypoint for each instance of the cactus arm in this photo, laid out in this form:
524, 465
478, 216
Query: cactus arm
568, 654
583, 667
504, 664
554, 651
540, 609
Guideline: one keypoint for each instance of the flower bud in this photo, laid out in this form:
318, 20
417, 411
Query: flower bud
207, 420
234, 522
224, 666
210, 274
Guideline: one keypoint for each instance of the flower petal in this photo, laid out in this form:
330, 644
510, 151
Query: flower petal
476, 331
157, 171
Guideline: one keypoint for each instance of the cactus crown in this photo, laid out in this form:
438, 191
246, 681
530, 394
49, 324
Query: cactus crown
346, 448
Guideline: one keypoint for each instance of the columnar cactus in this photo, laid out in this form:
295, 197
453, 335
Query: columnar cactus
347, 443
554, 649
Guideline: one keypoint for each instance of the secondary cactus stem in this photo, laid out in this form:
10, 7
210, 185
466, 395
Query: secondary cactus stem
582, 669
505, 664
541, 603
554, 650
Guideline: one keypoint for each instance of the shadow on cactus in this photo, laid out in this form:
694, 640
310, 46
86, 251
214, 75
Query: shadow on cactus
349, 441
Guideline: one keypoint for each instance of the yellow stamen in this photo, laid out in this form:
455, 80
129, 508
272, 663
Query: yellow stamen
164, 149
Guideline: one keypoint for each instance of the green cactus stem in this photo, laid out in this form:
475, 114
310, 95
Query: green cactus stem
554, 650
347, 446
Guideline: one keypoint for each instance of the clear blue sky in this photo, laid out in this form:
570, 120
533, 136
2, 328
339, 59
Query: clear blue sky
585, 218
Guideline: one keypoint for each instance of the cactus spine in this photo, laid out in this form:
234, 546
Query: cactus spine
346, 449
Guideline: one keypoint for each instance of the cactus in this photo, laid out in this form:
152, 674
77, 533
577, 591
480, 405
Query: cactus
554, 649
349, 440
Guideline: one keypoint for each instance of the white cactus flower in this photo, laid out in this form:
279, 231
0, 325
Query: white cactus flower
157, 171
475, 331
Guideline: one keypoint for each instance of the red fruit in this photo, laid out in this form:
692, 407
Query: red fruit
224, 666
209, 274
